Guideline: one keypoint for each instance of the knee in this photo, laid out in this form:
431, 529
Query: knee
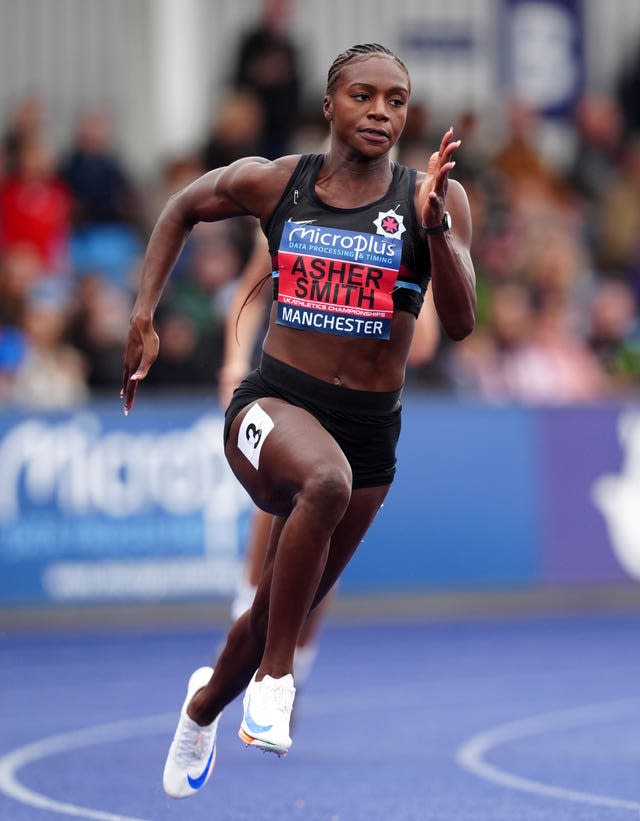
328, 491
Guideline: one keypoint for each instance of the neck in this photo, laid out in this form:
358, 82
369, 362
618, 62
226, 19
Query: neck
349, 181
338, 161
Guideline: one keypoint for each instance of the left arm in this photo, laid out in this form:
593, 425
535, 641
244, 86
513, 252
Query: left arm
453, 277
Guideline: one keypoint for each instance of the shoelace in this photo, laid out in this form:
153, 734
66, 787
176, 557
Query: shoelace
281, 698
192, 743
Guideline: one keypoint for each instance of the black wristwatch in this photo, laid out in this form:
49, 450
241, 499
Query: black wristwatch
444, 226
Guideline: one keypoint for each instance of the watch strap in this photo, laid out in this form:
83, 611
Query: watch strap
444, 226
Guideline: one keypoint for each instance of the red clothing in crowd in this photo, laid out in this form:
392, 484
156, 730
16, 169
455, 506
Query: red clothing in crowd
36, 212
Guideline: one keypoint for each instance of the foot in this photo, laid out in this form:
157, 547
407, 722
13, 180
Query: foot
267, 712
192, 755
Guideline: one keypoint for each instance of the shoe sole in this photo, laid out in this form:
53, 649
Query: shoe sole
265, 746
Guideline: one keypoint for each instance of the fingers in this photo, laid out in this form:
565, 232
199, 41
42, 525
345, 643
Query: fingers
140, 354
130, 384
128, 393
446, 140
442, 162
447, 147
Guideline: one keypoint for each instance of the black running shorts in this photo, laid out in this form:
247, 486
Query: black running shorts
365, 424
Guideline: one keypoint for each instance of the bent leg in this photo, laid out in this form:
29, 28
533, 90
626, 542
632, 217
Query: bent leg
302, 476
245, 647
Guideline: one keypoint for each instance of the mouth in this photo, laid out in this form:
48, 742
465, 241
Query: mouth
374, 135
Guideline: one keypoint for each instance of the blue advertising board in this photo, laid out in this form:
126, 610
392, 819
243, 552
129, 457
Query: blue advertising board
462, 512
96, 507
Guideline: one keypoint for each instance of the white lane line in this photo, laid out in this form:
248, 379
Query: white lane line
100, 734
472, 754
13, 761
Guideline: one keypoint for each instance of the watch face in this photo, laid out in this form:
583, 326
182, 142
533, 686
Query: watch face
446, 221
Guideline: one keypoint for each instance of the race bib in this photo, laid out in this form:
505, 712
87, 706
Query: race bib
336, 281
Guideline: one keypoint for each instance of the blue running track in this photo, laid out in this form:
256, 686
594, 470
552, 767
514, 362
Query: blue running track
532, 719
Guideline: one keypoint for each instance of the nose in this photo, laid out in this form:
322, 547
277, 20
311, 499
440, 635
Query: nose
378, 109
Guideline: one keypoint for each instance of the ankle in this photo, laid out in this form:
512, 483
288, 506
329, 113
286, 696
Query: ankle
200, 711
275, 671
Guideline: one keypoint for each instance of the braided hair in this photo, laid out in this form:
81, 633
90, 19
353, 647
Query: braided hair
358, 52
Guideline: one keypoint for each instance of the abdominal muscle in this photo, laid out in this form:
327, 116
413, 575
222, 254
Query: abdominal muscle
359, 364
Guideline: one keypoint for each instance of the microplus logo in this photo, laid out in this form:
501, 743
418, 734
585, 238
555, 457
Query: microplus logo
617, 497
351, 244
82, 470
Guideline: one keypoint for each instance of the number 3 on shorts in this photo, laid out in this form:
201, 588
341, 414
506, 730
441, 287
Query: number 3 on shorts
255, 428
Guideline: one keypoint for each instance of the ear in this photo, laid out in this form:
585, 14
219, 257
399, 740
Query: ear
327, 108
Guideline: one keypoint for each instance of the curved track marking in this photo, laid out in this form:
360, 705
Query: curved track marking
471, 755
13, 761
100, 734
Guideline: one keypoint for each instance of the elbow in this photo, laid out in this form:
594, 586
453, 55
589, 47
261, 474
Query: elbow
177, 211
460, 332
460, 327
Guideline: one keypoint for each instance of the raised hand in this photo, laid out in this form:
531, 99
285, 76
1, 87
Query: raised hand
433, 190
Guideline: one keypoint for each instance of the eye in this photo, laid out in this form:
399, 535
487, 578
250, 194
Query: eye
360, 95
397, 102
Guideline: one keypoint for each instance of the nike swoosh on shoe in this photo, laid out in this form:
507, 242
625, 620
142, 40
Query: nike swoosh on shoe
196, 783
252, 725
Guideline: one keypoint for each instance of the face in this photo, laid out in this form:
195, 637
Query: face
367, 106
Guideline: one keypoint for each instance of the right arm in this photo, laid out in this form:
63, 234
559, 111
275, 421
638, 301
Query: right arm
248, 186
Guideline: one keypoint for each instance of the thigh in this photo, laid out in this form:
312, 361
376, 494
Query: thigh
273, 448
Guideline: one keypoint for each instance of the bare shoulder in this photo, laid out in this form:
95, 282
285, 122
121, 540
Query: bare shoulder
255, 183
456, 193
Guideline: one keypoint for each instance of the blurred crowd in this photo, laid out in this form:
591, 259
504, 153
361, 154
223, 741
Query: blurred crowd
556, 245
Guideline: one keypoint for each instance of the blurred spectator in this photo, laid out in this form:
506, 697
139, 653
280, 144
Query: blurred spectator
103, 191
52, 373
614, 333
175, 173
527, 354
236, 131
617, 232
517, 158
12, 352
555, 267
599, 126
98, 325
26, 123
35, 207
489, 363
559, 366
472, 166
20, 270
418, 134
267, 64
628, 92
107, 208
